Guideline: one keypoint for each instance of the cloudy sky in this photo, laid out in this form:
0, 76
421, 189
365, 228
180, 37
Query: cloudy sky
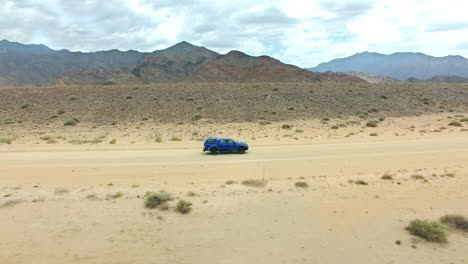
304, 33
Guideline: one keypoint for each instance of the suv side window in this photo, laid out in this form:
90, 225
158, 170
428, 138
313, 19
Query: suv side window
230, 141
224, 141
210, 141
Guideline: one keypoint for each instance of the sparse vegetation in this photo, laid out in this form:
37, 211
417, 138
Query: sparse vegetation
114, 195
70, 122
6, 140
255, 183
113, 141
429, 230
455, 124
387, 177
196, 117
11, 203
158, 139
417, 177
183, 207
175, 138
25, 106
373, 134
456, 221
286, 126
301, 184
229, 182
72, 98
154, 200
372, 124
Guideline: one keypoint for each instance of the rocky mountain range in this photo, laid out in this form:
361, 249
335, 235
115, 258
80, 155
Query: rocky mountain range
401, 66
39, 65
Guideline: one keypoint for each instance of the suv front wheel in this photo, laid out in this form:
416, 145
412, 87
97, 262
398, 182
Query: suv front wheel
241, 150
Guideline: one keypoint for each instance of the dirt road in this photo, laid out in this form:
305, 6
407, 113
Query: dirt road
63, 212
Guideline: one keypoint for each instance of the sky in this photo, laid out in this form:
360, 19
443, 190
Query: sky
304, 33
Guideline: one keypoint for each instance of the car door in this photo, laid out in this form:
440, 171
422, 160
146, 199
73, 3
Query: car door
223, 145
230, 145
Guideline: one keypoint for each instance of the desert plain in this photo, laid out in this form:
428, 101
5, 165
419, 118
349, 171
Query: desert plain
338, 172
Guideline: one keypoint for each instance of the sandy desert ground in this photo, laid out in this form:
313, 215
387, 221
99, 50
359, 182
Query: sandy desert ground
59, 203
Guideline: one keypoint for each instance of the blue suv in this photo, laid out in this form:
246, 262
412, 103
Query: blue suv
215, 145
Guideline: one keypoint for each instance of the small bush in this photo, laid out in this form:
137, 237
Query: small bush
176, 138
114, 196
455, 124
113, 141
255, 183
154, 200
229, 182
70, 122
286, 126
464, 119
158, 139
196, 117
428, 230
387, 177
417, 177
456, 221
61, 112
9, 122
373, 134
6, 140
360, 182
72, 98
183, 207
372, 124
25, 106
334, 127
301, 184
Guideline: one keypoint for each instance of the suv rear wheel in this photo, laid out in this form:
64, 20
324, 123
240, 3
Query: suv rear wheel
214, 151
241, 150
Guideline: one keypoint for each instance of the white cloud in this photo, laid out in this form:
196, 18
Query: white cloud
300, 32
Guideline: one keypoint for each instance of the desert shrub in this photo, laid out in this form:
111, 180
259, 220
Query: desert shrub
174, 138
158, 139
183, 207
25, 106
191, 194
334, 127
299, 130
72, 98
70, 122
129, 97
387, 177
6, 140
455, 124
372, 124
255, 183
286, 126
291, 108
196, 117
428, 230
113, 123
464, 119
264, 123
9, 122
195, 133
301, 184
61, 191
384, 97
456, 221
382, 119
113, 141
229, 182
11, 203
114, 195
373, 134
360, 182
61, 112
417, 177
154, 200
326, 119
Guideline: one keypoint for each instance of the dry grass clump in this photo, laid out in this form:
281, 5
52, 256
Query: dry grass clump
25, 106
158, 139
464, 119
183, 207
387, 176
6, 140
229, 182
455, 124
373, 134
358, 182
176, 138
456, 221
429, 230
113, 141
301, 184
61, 191
114, 195
286, 126
11, 203
417, 177
372, 124
255, 183
154, 200
70, 122
191, 194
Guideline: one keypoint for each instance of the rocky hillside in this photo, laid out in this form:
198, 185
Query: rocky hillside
400, 66
39, 65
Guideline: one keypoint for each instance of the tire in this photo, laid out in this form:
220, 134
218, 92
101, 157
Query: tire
241, 150
213, 151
